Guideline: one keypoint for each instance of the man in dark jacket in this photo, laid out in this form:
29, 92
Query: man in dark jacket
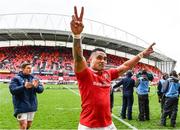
111, 98
171, 91
128, 99
23, 88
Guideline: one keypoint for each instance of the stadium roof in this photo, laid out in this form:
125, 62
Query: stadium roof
55, 27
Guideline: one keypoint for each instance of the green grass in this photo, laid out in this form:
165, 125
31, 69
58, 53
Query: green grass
59, 108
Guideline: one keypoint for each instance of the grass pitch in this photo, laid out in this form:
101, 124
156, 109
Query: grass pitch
59, 108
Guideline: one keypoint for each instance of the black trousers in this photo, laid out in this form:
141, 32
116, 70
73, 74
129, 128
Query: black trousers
111, 100
143, 101
162, 103
170, 107
127, 105
161, 100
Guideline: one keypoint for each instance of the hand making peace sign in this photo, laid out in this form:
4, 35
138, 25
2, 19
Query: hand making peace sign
76, 23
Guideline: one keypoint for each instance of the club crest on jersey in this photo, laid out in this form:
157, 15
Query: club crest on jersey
106, 76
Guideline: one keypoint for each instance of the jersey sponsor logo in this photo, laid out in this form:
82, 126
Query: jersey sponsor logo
101, 84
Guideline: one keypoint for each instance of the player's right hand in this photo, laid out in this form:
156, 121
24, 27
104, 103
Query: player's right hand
35, 83
28, 85
76, 23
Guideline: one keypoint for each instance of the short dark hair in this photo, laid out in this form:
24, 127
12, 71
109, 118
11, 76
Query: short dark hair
98, 49
144, 72
24, 64
165, 76
129, 73
174, 73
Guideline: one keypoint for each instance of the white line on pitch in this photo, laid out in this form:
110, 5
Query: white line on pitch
117, 118
72, 90
124, 122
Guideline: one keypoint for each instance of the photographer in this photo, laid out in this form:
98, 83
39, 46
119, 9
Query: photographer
142, 90
171, 91
161, 96
23, 88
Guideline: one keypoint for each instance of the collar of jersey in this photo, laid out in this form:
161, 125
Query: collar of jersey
95, 71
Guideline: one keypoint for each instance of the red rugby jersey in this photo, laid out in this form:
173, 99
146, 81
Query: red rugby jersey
95, 97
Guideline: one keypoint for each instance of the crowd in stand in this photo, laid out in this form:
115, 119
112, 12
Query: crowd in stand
51, 62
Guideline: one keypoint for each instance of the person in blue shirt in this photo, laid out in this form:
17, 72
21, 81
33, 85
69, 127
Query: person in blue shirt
23, 88
161, 97
128, 98
143, 98
171, 92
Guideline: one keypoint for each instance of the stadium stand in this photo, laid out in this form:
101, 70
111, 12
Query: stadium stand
53, 63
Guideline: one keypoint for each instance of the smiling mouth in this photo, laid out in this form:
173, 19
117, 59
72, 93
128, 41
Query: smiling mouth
101, 65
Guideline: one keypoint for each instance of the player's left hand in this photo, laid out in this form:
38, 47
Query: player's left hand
148, 50
35, 83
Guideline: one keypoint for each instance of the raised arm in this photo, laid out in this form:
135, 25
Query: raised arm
132, 62
76, 28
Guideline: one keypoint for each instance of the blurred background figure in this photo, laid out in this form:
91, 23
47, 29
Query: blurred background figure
128, 98
171, 91
161, 83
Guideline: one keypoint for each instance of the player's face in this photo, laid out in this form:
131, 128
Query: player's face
27, 70
98, 60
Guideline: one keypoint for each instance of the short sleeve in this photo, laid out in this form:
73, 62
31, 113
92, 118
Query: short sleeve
114, 73
82, 75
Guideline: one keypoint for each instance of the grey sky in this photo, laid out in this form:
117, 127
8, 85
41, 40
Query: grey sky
152, 20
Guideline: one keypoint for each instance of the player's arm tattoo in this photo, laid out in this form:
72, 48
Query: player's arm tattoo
77, 50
